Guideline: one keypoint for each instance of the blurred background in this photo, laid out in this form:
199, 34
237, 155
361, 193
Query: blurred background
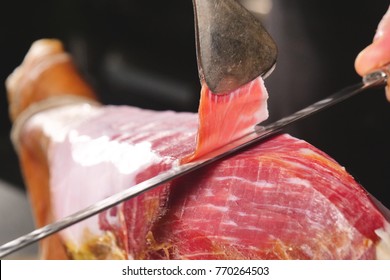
142, 53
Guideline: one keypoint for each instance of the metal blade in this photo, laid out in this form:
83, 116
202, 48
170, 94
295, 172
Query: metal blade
232, 45
259, 133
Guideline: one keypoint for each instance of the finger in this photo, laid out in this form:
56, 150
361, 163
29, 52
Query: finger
377, 54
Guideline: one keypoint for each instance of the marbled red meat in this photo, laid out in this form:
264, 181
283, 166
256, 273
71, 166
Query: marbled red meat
282, 199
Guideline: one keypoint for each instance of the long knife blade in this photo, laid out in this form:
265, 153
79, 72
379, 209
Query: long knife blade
377, 78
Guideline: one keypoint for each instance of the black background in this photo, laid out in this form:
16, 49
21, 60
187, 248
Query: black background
142, 53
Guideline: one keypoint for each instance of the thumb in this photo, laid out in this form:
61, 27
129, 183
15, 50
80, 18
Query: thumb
377, 54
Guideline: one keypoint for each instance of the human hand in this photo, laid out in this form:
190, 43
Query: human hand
377, 54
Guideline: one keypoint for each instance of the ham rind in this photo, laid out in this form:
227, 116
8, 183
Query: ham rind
281, 199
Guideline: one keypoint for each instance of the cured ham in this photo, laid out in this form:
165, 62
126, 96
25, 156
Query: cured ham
282, 199
226, 117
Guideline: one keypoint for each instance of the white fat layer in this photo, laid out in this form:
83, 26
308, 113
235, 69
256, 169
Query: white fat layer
208, 193
219, 208
233, 240
307, 151
126, 158
244, 181
86, 169
233, 198
244, 214
229, 223
299, 182
383, 247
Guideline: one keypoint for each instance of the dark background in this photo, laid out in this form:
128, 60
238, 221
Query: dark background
142, 53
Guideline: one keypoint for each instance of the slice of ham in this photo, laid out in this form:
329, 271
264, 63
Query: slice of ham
226, 117
282, 199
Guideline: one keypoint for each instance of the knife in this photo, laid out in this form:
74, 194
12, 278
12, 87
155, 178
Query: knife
260, 133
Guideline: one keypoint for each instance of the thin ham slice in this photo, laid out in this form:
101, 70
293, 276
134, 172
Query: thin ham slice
282, 199
226, 117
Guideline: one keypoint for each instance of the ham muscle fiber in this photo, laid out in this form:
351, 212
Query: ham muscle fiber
281, 199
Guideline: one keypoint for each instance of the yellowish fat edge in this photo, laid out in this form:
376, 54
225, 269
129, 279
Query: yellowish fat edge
152, 246
383, 246
102, 247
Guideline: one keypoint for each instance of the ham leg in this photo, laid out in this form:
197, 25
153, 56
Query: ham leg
282, 199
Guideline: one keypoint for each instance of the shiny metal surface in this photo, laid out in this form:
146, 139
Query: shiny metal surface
233, 47
375, 79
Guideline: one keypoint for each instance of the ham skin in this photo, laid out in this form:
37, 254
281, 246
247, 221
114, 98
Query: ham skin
281, 199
